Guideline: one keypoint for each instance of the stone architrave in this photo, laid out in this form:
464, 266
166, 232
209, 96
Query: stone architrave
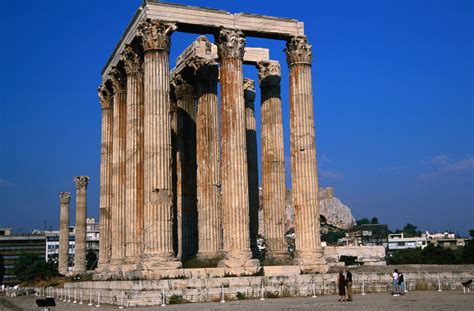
118, 79
158, 188
63, 260
234, 169
80, 231
273, 160
309, 253
252, 158
208, 160
186, 167
134, 158
105, 205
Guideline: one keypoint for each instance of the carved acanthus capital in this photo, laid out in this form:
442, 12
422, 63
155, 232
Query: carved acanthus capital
156, 35
182, 88
104, 96
230, 43
249, 90
65, 197
204, 68
118, 79
81, 182
269, 72
131, 60
298, 51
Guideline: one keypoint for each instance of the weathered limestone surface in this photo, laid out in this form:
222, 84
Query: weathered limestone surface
134, 158
303, 156
234, 169
158, 189
105, 205
80, 233
273, 160
118, 233
335, 212
64, 199
186, 168
252, 158
208, 159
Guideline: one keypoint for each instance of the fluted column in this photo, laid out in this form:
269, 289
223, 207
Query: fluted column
105, 204
63, 260
303, 156
134, 157
118, 79
186, 167
273, 160
235, 197
252, 158
80, 231
208, 161
158, 191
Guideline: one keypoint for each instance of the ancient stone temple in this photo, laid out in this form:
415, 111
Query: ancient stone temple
179, 164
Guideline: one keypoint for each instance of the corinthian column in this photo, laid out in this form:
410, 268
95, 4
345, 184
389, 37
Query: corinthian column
134, 158
235, 196
186, 167
105, 204
80, 232
118, 79
303, 156
63, 260
273, 161
251, 138
208, 161
158, 191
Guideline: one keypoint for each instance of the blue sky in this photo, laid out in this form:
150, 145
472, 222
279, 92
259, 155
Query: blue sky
393, 93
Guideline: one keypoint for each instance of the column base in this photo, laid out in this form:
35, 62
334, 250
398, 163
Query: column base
209, 255
277, 258
159, 262
311, 261
241, 260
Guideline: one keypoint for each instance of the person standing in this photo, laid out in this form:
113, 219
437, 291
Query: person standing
395, 283
401, 283
349, 284
341, 285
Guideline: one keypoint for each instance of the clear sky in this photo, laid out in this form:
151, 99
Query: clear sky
393, 97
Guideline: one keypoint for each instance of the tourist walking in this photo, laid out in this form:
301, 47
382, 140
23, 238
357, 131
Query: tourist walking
349, 284
401, 283
341, 285
395, 283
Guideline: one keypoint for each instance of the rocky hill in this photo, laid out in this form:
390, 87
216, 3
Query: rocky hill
333, 210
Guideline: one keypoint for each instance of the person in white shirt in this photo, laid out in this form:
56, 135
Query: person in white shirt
395, 283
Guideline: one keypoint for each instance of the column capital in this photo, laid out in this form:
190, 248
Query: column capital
298, 51
65, 197
118, 79
249, 90
182, 88
104, 96
132, 60
204, 68
81, 182
156, 34
269, 72
230, 43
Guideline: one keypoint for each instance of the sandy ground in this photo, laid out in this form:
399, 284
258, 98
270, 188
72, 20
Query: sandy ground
421, 300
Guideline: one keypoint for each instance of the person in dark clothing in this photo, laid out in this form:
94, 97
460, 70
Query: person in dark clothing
401, 283
349, 284
341, 284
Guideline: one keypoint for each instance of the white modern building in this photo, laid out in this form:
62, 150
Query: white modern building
397, 241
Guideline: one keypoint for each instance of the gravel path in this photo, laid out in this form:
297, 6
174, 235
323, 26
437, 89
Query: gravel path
421, 300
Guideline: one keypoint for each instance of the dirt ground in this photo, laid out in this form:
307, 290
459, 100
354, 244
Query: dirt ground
420, 300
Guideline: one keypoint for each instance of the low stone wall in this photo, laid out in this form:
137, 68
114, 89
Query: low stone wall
367, 279
368, 255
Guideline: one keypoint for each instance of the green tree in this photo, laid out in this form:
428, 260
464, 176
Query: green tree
471, 233
91, 258
374, 221
363, 221
30, 267
410, 231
